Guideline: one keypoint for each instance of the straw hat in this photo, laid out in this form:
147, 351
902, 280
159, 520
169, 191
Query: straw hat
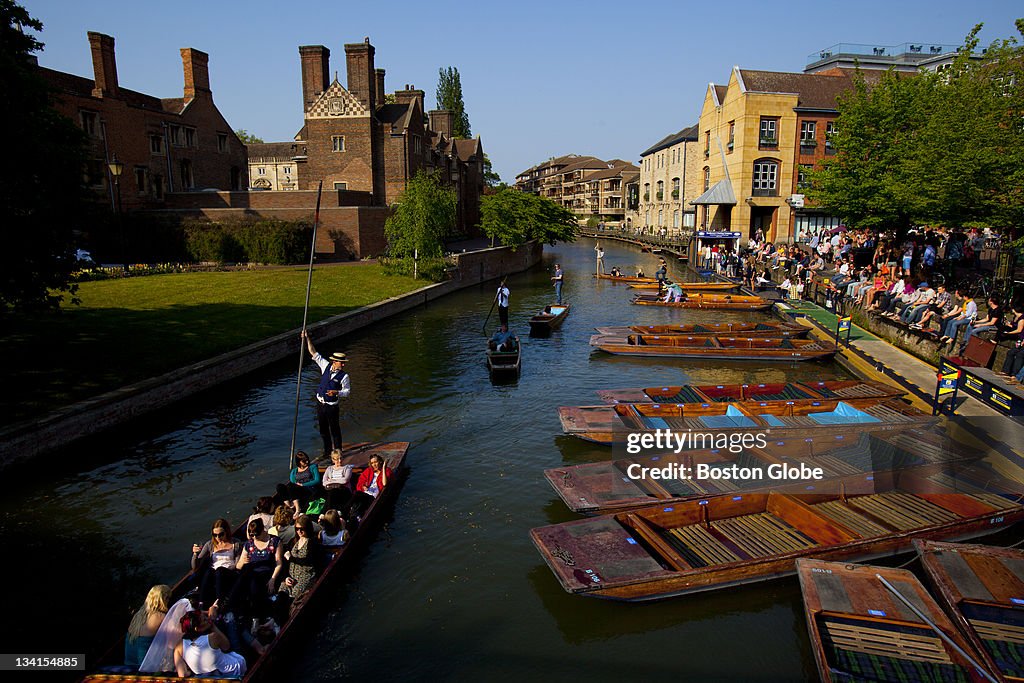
338, 357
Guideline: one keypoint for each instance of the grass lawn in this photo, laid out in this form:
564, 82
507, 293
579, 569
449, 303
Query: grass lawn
128, 330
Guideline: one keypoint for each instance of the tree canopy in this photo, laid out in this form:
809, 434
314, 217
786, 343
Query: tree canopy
42, 195
936, 148
491, 177
247, 138
449, 97
422, 218
515, 218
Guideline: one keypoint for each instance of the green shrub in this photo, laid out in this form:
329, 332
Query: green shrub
268, 241
432, 269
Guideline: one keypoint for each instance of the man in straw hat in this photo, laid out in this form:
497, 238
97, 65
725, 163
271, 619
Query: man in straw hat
334, 386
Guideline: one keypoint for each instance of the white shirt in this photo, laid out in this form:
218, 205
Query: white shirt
503, 295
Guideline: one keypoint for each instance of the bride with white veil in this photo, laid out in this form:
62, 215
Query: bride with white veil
160, 656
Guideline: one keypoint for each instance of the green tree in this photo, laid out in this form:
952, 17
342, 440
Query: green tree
449, 97
41, 195
246, 138
514, 218
422, 218
491, 178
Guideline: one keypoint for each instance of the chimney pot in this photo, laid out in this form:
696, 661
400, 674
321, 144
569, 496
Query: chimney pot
104, 65
195, 64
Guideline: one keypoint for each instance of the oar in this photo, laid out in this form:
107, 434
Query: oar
935, 628
484, 328
305, 314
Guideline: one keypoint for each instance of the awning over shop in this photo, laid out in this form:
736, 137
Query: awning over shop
719, 193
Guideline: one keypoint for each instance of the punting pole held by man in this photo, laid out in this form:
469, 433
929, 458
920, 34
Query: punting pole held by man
484, 328
305, 315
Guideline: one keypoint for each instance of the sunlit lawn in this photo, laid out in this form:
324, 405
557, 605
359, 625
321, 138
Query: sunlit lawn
131, 329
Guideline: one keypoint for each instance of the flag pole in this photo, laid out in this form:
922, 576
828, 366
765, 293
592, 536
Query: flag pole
305, 316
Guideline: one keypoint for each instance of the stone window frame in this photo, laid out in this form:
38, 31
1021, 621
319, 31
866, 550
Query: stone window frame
768, 129
156, 144
222, 142
191, 139
141, 176
91, 123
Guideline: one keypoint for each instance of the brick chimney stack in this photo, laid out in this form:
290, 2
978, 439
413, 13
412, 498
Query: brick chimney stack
441, 121
316, 72
104, 65
361, 78
408, 95
196, 65
379, 90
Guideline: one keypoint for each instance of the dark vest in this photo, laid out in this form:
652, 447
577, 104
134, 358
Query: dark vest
328, 384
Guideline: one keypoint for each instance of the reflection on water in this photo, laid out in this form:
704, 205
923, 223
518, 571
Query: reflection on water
454, 589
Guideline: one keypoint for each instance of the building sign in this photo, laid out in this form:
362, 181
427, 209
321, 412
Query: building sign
707, 235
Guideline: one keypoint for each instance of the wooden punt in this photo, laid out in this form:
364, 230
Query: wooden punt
692, 286
745, 329
268, 667
504, 364
628, 279
861, 631
549, 319
613, 486
772, 391
725, 348
610, 423
708, 301
710, 543
982, 590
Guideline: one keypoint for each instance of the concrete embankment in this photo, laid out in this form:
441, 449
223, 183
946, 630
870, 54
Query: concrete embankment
26, 441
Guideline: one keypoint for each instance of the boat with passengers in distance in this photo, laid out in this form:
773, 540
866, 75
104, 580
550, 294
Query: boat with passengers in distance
744, 329
611, 423
725, 348
626, 279
272, 664
549, 319
625, 483
863, 629
692, 286
982, 590
727, 540
708, 301
847, 389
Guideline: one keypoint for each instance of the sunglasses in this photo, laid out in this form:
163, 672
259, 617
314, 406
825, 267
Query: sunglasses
219, 532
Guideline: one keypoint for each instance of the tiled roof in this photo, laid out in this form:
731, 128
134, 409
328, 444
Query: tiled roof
721, 91
464, 149
814, 91
82, 87
689, 133
278, 150
617, 170
392, 113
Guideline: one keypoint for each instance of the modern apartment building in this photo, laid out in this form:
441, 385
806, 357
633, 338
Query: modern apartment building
590, 187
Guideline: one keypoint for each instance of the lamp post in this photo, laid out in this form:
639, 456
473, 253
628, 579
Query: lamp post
116, 168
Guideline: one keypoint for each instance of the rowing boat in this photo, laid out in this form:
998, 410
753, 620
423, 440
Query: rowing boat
612, 423
268, 666
616, 485
745, 329
726, 348
847, 389
549, 319
504, 364
861, 630
727, 540
692, 286
709, 301
625, 278
982, 590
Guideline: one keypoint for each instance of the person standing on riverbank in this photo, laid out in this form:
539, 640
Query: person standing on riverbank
334, 386
557, 278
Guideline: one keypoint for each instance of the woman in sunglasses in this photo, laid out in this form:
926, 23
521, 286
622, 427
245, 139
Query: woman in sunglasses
215, 564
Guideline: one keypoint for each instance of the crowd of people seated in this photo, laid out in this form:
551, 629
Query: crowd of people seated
243, 590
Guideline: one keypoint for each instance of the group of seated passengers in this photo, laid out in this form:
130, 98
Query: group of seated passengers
245, 590
503, 340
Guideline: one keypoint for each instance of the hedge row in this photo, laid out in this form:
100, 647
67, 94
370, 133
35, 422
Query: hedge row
266, 241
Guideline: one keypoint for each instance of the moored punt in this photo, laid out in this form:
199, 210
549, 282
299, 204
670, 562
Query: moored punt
549, 319
504, 364
849, 390
629, 279
863, 631
728, 348
982, 590
746, 329
266, 667
639, 481
692, 286
608, 423
709, 301
727, 540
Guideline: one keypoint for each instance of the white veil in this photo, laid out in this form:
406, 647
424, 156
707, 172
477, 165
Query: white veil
160, 656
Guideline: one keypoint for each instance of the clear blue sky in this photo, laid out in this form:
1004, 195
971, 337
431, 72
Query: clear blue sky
540, 79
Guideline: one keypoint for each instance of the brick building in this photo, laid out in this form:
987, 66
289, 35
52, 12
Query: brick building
176, 144
588, 186
354, 139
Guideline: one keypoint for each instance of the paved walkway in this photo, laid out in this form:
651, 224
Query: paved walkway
874, 358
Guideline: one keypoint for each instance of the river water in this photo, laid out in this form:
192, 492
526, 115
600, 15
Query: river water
452, 589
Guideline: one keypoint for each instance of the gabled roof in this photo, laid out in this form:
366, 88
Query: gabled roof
585, 163
617, 170
720, 92
689, 133
464, 149
814, 91
392, 113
